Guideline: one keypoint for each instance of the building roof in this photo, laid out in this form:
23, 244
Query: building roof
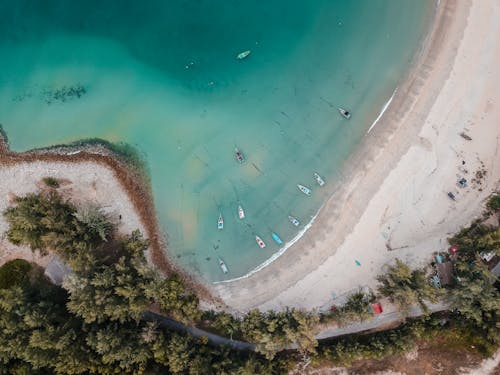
496, 270
445, 272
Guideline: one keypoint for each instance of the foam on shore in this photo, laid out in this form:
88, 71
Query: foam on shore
384, 108
275, 255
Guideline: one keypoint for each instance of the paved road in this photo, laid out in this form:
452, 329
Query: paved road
212, 337
390, 316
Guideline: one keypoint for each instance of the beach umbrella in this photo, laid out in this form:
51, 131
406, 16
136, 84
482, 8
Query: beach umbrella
358, 263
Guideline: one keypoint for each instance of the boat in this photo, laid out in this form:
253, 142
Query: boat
277, 238
223, 266
220, 222
345, 113
294, 220
241, 213
304, 189
243, 54
239, 155
318, 179
260, 242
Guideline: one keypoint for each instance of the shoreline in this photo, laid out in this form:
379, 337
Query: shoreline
403, 143
400, 156
130, 180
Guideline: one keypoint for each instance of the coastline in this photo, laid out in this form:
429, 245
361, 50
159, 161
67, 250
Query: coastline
400, 156
319, 267
131, 185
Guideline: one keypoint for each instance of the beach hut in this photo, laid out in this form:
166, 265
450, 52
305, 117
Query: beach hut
445, 272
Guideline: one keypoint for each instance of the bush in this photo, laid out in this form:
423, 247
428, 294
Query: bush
50, 182
14, 273
494, 203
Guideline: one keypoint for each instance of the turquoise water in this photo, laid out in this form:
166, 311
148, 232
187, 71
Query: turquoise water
162, 75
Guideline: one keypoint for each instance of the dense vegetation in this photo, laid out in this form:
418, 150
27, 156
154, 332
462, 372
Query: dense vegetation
94, 322
406, 287
99, 310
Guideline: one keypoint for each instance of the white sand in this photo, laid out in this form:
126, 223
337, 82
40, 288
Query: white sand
83, 183
395, 193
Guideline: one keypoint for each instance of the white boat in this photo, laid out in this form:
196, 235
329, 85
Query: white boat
318, 179
239, 155
304, 189
345, 113
241, 213
294, 220
220, 222
223, 266
243, 54
260, 242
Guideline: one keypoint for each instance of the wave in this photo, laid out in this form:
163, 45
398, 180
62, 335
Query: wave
275, 255
384, 108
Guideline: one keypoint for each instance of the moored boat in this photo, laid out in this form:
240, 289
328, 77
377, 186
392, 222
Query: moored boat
243, 54
220, 222
276, 238
223, 266
304, 189
260, 242
294, 220
345, 113
241, 213
319, 179
239, 155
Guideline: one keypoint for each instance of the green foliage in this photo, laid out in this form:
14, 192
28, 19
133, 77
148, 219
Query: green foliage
174, 300
476, 239
477, 299
406, 288
356, 308
275, 331
494, 203
14, 273
95, 220
47, 223
50, 182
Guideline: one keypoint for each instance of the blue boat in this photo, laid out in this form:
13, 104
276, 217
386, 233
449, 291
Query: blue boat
277, 239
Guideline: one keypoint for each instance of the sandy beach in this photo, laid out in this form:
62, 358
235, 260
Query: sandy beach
393, 200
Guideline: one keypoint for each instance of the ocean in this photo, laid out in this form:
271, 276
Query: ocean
163, 76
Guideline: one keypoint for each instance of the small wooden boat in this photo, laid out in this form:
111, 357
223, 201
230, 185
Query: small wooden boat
304, 189
319, 179
241, 213
277, 238
260, 242
223, 266
465, 136
294, 220
239, 155
243, 55
220, 222
345, 113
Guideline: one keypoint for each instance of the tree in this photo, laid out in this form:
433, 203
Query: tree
406, 287
477, 298
494, 203
14, 273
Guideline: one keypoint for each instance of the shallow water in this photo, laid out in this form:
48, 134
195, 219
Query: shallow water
163, 76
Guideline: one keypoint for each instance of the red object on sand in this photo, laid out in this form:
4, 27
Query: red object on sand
377, 308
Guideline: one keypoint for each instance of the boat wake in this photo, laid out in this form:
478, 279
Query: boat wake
275, 255
384, 108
